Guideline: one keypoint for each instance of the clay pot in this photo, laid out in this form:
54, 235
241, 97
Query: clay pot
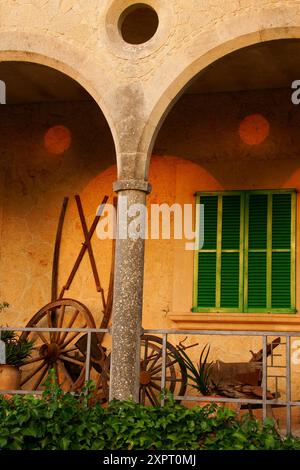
10, 377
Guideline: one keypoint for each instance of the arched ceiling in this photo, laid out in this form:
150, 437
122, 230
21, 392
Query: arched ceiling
273, 64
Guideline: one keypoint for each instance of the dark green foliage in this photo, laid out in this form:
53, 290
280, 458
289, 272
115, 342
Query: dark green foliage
17, 350
61, 420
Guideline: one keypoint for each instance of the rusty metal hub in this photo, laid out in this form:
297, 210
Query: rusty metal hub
145, 377
50, 352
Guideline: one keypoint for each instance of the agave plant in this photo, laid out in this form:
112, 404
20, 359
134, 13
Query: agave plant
198, 374
17, 349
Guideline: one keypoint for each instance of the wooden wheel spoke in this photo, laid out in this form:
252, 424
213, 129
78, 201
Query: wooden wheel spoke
168, 379
149, 397
63, 351
154, 397
60, 322
40, 378
142, 395
35, 371
70, 359
154, 385
70, 324
156, 370
64, 370
31, 361
71, 338
50, 314
42, 337
158, 356
169, 365
145, 353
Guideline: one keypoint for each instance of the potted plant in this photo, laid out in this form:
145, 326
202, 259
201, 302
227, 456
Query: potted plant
17, 350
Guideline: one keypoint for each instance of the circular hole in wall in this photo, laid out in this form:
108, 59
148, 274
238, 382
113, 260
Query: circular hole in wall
138, 23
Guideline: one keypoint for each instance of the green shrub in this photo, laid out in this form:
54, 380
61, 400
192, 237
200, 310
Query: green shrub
61, 420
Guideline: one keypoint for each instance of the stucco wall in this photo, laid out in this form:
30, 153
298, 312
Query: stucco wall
33, 185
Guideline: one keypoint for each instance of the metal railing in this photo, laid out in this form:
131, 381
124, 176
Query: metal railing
264, 402
87, 331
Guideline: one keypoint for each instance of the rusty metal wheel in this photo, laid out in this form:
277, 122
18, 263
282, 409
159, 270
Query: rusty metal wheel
57, 350
151, 371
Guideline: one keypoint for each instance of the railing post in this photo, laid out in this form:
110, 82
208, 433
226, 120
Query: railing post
264, 377
288, 385
163, 368
88, 357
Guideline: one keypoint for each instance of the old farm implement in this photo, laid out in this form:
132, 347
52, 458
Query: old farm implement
66, 351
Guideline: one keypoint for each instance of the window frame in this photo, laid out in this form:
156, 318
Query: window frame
243, 284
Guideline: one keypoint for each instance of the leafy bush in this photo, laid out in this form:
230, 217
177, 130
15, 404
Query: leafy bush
62, 421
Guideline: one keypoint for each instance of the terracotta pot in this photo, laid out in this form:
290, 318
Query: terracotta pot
10, 377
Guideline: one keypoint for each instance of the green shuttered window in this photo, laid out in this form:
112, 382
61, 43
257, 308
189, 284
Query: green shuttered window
247, 261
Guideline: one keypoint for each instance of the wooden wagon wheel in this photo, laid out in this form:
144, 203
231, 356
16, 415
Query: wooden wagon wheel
57, 349
151, 370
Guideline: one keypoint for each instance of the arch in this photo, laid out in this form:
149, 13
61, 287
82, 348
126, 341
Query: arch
46, 49
178, 84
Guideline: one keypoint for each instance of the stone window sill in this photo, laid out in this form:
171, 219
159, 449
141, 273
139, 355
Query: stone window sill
236, 321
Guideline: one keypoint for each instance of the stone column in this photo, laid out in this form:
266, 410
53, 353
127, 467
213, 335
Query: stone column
128, 297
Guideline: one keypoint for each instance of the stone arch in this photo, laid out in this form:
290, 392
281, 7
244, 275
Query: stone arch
48, 50
176, 85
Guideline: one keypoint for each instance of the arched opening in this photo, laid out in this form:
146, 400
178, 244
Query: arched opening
55, 143
231, 142
234, 128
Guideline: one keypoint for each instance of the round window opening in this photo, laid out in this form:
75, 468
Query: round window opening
138, 23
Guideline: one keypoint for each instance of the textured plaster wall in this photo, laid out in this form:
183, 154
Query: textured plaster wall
33, 185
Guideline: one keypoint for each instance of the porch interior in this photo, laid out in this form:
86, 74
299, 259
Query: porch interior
199, 148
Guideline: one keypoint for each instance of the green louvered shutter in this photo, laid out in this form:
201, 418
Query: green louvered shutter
257, 250
206, 285
247, 262
230, 253
281, 259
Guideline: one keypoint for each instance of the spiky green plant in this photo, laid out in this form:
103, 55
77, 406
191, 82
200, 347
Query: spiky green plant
198, 374
17, 349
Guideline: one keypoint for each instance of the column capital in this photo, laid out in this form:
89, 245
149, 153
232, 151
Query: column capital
127, 185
